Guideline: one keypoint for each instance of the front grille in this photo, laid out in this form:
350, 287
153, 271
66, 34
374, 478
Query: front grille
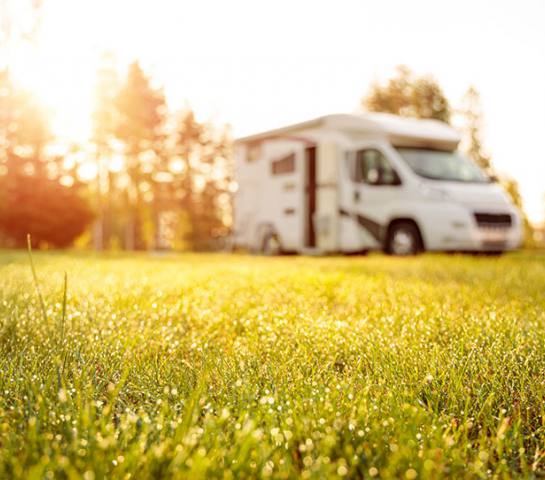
502, 220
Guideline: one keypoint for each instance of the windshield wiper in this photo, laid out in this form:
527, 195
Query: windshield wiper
446, 179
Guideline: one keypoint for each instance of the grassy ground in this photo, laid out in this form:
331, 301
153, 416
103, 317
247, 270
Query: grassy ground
231, 366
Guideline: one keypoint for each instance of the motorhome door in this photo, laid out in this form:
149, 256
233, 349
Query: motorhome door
289, 190
371, 185
310, 197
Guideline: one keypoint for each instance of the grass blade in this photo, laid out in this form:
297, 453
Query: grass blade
35, 277
64, 295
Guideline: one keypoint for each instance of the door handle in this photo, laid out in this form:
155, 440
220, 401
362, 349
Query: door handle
356, 196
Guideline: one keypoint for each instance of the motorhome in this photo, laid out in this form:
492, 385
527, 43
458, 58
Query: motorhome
360, 182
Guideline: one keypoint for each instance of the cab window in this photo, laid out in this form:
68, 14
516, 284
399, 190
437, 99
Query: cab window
373, 168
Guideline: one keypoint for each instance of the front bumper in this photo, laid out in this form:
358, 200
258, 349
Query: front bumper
454, 228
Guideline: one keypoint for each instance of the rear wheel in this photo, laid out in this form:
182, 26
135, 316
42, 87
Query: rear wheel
271, 245
490, 253
403, 239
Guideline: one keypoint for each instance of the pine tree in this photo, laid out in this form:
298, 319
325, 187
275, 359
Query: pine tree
203, 185
472, 112
140, 118
103, 137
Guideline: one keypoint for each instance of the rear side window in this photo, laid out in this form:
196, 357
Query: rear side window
373, 168
283, 165
253, 152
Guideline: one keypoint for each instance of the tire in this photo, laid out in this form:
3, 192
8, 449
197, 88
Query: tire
355, 253
491, 253
403, 240
271, 245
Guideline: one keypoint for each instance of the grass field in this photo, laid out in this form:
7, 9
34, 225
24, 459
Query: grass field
230, 366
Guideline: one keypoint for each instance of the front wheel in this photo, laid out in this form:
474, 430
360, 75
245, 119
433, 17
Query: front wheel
403, 240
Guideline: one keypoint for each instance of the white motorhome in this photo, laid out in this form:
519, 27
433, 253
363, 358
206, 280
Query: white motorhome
351, 183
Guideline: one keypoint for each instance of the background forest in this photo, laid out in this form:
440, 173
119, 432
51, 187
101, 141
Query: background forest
149, 178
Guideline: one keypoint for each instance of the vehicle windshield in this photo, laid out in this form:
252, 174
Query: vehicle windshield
441, 165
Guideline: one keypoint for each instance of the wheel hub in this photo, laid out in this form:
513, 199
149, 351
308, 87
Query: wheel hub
403, 243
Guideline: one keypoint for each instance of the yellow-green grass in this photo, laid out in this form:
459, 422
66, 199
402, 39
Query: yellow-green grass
224, 366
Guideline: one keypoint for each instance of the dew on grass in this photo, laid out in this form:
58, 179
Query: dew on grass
333, 359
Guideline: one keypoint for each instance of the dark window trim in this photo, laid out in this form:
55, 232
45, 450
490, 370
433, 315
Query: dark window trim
283, 165
356, 173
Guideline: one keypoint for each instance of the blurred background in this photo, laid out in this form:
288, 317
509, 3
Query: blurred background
117, 118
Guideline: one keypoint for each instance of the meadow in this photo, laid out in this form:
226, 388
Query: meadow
230, 366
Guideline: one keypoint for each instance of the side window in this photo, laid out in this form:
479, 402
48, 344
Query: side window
283, 165
253, 151
373, 168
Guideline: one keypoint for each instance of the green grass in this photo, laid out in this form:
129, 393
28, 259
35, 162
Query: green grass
230, 366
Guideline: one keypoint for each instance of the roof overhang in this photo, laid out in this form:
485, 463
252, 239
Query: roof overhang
400, 131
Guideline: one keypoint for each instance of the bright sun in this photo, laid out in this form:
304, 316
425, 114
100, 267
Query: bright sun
55, 71
64, 91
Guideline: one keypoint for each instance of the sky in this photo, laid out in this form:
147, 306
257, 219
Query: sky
262, 64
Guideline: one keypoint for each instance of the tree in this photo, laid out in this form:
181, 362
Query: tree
204, 184
409, 95
23, 128
141, 113
103, 137
54, 214
32, 198
511, 187
473, 145
16, 27
177, 172
472, 112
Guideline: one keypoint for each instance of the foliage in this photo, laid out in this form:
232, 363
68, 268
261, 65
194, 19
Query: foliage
204, 187
105, 115
19, 24
54, 214
238, 367
24, 132
107, 229
511, 187
409, 95
472, 142
32, 197
140, 110
473, 116
177, 169
140, 116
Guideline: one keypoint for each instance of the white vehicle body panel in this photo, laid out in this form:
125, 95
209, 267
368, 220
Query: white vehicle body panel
313, 204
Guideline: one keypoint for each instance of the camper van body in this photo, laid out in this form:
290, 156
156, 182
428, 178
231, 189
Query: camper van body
350, 183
